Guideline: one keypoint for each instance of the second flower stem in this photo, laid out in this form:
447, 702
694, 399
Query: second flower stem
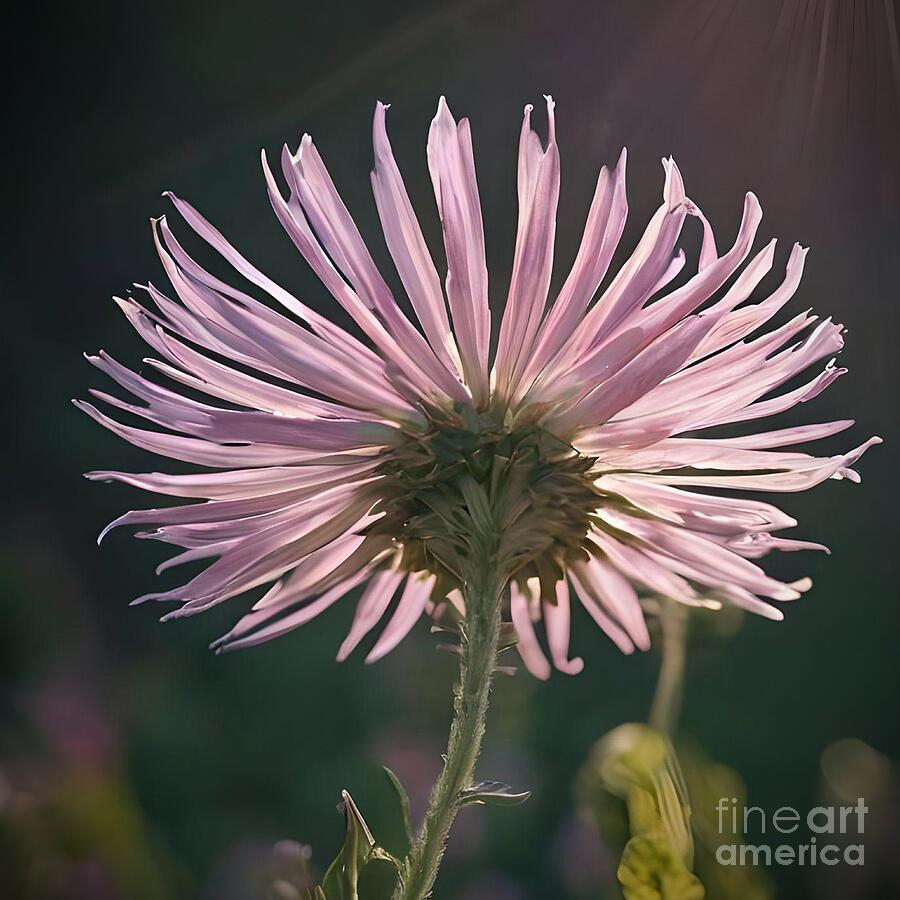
471, 696
667, 699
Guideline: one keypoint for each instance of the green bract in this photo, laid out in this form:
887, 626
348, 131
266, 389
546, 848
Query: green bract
473, 478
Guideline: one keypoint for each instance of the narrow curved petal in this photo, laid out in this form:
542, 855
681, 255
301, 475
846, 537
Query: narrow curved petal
538, 187
591, 601
452, 166
558, 622
605, 223
409, 610
371, 607
336, 230
289, 622
407, 246
527, 644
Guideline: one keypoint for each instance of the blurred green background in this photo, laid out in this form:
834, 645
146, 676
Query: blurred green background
134, 763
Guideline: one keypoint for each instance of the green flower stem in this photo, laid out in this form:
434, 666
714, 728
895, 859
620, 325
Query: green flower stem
667, 700
483, 595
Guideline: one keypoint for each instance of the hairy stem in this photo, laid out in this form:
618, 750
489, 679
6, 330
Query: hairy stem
667, 699
471, 695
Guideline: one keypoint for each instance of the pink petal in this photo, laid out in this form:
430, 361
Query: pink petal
409, 609
371, 607
641, 569
287, 623
327, 329
590, 600
452, 166
738, 324
407, 246
527, 645
662, 315
533, 261
646, 370
202, 452
700, 512
637, 279
557, 622
619, 597
705, 560
262, 557
237, 484
801, 479
336, 230
605, 223
310, 571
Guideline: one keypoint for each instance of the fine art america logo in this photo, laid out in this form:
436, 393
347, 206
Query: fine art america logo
826, 835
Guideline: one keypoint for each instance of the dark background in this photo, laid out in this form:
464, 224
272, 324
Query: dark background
135, 764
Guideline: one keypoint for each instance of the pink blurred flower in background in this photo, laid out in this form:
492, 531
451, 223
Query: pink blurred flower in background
384, 458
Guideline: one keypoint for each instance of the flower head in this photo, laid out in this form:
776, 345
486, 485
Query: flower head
395, 455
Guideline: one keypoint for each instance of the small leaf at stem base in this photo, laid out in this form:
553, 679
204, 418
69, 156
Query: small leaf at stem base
493, 793
400, 791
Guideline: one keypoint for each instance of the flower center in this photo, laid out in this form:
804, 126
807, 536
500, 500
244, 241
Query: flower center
474, 485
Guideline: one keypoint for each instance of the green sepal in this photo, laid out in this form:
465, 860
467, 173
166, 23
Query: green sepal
479, 508
473, 478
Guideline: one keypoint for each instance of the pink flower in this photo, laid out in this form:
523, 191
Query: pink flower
388, 457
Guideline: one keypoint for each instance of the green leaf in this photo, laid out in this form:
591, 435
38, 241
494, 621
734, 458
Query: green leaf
340, 882
493, 793
404, 807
